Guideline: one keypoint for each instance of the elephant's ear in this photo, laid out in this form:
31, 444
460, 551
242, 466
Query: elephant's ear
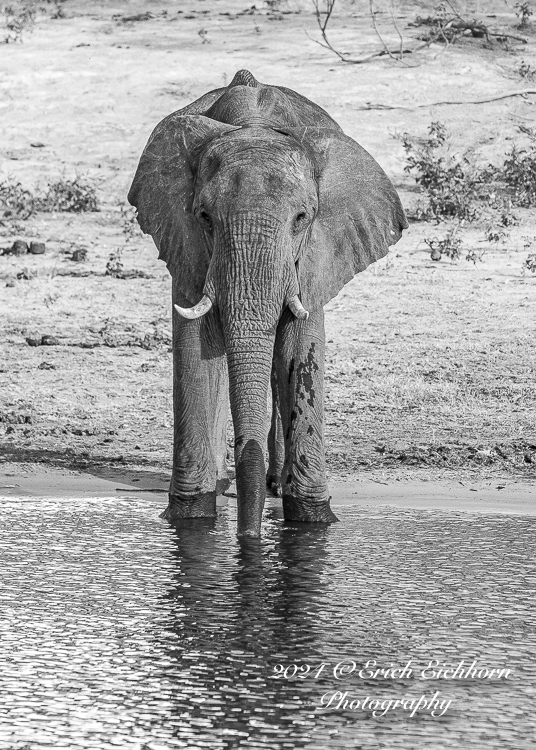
163, 192
359, 215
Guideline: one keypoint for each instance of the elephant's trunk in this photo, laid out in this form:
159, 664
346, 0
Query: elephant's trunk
249, 374
249, 280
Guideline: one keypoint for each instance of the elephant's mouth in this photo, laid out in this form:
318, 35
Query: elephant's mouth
257, 271
205, 304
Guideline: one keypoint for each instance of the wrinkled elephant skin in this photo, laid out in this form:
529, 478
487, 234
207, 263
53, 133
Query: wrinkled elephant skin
262, 210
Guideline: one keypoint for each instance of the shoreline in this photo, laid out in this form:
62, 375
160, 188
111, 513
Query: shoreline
490, 495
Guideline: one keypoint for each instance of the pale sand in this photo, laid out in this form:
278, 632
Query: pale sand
488, 496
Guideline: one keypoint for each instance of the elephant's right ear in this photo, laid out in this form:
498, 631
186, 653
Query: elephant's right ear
359, 215
163, 193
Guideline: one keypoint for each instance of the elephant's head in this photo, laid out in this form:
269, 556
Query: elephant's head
253, 212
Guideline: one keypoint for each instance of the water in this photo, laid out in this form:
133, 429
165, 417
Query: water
119, 632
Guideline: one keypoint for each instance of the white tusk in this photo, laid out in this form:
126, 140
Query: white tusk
297, 308
191, 313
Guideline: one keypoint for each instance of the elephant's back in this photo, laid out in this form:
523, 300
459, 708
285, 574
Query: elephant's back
246, 101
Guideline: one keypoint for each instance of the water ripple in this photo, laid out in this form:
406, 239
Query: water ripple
118, 631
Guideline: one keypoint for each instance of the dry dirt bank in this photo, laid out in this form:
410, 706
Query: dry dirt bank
430, 367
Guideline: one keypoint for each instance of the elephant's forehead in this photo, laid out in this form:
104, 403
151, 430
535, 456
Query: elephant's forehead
258, 150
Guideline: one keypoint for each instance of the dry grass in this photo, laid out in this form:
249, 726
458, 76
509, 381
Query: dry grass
429, 364
446, 358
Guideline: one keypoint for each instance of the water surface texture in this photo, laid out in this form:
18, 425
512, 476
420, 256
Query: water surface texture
118, 631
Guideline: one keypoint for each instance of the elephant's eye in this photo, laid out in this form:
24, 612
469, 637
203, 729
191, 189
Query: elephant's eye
300, 221
204, 219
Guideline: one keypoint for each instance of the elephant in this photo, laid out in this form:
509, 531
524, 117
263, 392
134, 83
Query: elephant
262, 209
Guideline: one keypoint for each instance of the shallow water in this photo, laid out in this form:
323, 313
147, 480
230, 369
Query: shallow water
118, 631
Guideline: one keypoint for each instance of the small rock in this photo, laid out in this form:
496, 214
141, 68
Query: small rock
45, 340
19, 247
49, 341
79, 255
46, 366
26, 275
37, 248
37, 144
10, 283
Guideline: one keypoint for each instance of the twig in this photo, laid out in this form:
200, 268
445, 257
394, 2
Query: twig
370, 56
476, 25
453, 9
375, 25
323, 23
436, 104
401, 52
501, 35
523, 117
456, 25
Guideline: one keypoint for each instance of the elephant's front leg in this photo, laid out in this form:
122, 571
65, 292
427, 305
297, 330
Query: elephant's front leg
299, 362
200, 415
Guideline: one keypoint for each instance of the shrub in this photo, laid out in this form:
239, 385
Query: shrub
58, 11
474, 255
129, 224
524, 13
19, 17
72, 196
519, 174
495, 235
508, 218
449, 182
449, 246
455, 187
15, 201
114, 266
530, 263
526, 71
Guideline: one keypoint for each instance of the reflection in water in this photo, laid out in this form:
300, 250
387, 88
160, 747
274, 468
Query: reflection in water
119, 631
244, 624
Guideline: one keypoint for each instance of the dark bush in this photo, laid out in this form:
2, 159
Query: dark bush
449, 182
72, 196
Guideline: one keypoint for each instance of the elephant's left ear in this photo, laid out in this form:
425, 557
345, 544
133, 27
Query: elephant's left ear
359, 215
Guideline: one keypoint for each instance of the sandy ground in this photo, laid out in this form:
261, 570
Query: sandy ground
430, 366
508, 495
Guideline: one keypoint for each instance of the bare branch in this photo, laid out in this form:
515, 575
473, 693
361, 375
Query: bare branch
385, 47
322, 19
401, 52
453, 9
523, 92
322, 25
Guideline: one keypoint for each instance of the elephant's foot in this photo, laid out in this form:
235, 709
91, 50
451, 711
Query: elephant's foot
274, 486
308, 510
202, 506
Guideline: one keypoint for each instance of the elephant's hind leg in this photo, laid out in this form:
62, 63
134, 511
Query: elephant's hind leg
276, 443
299, 357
